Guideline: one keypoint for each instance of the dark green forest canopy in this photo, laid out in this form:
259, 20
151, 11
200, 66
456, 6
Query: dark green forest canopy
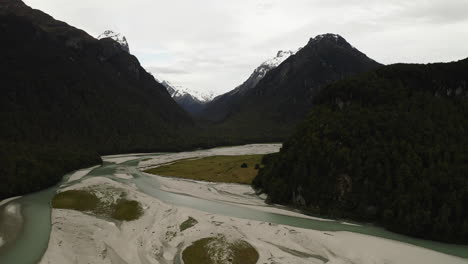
66, 96
389, 146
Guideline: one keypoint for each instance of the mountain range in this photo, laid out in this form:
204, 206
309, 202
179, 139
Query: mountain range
282, 98
207, 105
218, 108
191, 100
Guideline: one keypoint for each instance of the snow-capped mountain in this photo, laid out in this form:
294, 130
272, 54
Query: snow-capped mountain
119, 38
262, 70
218, 108
274, 62
178, 91
192, 101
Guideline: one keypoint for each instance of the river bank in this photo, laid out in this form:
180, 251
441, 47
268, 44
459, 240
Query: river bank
230, 211
157, 238
219, 210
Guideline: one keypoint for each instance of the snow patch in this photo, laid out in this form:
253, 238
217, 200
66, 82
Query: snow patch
281, 56
177, 91
119, 38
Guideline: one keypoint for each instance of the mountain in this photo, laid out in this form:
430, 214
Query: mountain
117, 37
192, 101
271, 109
218, 108
68, 97
261, 71
387, 146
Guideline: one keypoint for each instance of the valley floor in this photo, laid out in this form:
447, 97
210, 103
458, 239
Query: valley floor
158, 237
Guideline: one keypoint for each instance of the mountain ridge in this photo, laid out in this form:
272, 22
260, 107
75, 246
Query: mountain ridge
284, 95
216, 110
190, 100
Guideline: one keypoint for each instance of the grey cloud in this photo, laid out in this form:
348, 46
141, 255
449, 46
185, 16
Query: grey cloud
449, 11
166, 70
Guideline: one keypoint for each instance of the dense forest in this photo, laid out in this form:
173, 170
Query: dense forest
67, 97
389, 146
28, 168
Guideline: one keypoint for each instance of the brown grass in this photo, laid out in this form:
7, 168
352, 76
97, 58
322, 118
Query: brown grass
213, 169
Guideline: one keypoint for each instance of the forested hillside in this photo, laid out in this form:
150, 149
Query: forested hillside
389, 146
67, 96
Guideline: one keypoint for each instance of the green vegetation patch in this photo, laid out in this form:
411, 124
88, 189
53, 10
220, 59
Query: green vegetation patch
188, 223
127, 210
231, 169
75, 199
217, 250
99, 203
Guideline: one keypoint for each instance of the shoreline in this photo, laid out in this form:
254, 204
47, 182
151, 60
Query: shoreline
156, 237
7, 200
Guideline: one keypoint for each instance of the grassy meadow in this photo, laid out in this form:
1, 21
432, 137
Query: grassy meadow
230, 169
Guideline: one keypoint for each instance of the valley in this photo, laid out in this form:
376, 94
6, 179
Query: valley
228, 214
233, 132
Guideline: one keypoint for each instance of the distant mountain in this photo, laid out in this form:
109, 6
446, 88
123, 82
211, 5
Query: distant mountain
117, 37
389, 146
192, 101
283, 97
68, 97
218, 108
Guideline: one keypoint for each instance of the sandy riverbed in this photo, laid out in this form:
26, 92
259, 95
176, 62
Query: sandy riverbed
155, 238
78, 237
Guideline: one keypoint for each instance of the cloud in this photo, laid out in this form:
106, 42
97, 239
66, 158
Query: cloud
437, 12
165, 70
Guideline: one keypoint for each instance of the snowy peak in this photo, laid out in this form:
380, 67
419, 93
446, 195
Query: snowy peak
280, 57
119, 38
270, 64
177, 91
329, 38
262, 70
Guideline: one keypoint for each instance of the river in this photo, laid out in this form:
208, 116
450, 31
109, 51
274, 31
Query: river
30, 243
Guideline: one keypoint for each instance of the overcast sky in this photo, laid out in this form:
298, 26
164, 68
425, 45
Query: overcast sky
214, 45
